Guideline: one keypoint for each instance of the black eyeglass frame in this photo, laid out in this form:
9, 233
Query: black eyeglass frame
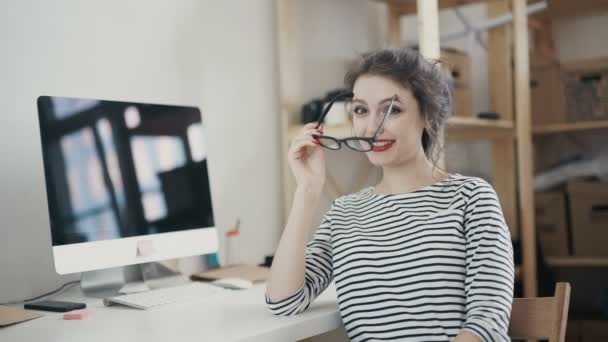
339, 142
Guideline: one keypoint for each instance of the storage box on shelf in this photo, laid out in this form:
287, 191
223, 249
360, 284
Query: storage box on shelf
568, 8
459, 67
586, 88
552, 223
588, 207
547, 92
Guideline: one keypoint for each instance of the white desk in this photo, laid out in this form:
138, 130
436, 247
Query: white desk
231, 316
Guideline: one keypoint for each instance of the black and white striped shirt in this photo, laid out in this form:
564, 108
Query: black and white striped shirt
418, 266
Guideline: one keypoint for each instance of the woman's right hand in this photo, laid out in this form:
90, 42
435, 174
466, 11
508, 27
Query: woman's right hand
306, 158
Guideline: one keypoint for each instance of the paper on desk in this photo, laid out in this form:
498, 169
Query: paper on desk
248, 272
10, 315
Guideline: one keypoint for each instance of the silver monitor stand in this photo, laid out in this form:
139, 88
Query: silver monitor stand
128, 279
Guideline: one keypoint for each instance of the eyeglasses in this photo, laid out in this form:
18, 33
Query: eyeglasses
359, 144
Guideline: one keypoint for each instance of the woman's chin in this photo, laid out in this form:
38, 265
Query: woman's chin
380, 159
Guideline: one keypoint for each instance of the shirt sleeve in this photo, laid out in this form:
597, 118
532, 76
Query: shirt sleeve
489, 265
318, 274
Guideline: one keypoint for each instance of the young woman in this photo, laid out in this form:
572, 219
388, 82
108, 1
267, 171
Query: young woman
422, 256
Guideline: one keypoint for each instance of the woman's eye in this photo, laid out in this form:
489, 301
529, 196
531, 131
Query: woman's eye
395, 110
359, 110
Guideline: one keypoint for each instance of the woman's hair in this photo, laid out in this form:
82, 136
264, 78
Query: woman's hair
423, 78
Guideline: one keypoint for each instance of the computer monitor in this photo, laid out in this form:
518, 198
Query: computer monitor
127, 183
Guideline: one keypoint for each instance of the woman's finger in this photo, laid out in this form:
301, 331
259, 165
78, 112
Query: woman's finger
301, 146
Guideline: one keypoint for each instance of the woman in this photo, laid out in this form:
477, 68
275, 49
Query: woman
422, 256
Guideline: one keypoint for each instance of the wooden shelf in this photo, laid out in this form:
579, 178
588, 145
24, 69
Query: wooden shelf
578, 261
408, 7
470, 128
569, 127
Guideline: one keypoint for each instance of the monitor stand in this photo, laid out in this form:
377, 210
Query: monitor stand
129, 279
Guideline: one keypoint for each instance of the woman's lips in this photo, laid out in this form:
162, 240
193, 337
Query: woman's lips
382, 145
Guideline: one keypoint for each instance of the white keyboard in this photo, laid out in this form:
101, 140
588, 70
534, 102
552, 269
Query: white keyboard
149, 299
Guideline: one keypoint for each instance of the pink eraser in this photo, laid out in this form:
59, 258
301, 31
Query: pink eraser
80, 314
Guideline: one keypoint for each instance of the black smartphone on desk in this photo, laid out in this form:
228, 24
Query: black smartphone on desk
54, 306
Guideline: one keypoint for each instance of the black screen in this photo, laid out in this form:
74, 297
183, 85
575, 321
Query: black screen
119, 169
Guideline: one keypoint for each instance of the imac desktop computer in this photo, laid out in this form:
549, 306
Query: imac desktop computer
127, 184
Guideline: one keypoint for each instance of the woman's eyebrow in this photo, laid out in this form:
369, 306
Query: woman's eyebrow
380, 102
388, 99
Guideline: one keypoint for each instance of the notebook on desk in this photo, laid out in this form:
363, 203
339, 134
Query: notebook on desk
252, 273
10, 315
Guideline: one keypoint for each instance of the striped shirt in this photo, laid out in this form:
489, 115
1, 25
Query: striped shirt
418, 266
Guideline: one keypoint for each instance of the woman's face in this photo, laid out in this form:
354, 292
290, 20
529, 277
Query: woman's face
400, 140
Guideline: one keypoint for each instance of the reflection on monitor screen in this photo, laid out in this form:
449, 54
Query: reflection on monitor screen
120, 169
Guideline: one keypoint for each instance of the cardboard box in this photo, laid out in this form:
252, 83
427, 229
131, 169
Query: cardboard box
459, 65
586, 88
457, 70
547, 93
588, 208
552, 223
567, 8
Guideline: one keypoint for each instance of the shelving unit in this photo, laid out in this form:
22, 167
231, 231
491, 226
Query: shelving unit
578, 262
570, 127
510, 137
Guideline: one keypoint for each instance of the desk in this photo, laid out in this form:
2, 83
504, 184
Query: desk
231, 316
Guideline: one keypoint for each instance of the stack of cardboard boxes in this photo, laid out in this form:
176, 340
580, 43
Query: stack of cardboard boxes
570, 92
574, 221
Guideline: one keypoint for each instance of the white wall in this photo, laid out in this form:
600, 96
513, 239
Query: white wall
330, 36
218, 55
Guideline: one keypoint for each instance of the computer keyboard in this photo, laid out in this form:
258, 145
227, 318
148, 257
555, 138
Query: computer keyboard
157, 297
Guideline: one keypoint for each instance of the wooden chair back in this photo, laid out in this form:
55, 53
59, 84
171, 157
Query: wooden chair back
542, 318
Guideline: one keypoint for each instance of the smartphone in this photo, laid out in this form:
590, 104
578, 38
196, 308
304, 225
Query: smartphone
55, 306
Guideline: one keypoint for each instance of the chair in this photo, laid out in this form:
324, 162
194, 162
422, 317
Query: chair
542, 318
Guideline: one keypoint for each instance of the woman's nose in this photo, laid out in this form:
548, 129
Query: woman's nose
374, 123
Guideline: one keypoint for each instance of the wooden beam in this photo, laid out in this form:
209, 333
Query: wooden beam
504, 176
394, 26
428, 39
501, 101
524, 146
500, 71
428, 28
408, 7
289, 88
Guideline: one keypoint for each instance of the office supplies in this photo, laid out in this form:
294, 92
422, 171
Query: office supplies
55, 306
231, 235
10, 315
251, 273
77, 315
189, 292
488, 115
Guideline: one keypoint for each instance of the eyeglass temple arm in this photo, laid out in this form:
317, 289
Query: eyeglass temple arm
390, 109
331, 103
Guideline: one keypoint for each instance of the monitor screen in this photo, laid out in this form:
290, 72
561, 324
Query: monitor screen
122, 169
